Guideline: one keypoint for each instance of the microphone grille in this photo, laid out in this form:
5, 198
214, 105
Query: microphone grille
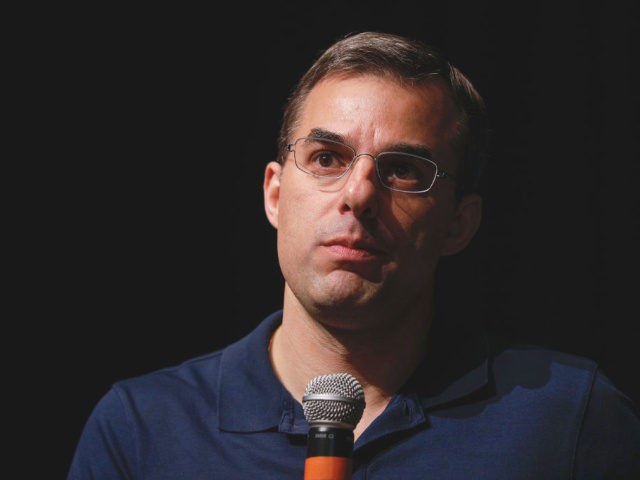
336, 398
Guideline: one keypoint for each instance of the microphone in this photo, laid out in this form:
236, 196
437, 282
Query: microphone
333, 405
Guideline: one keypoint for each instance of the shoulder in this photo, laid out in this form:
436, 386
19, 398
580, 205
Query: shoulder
561, 383
196, 383
550, 373
194, 376
201, 376
533, 365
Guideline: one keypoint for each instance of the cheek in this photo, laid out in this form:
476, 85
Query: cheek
423, 222
298, 218
293, 205
296, 212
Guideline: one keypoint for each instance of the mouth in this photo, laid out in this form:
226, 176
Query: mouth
356, 250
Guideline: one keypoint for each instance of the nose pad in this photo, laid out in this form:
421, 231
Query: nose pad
356, 161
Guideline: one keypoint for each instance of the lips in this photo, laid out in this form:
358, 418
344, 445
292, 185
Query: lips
354, 249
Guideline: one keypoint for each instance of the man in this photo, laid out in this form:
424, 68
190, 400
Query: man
381, 146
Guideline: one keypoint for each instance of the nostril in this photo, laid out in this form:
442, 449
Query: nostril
360, 193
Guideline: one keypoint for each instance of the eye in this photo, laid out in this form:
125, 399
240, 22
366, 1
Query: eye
406, 172
326, 159
321, 157
402, 169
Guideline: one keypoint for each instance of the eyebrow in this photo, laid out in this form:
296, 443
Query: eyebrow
418, 150
413, 149
326, 135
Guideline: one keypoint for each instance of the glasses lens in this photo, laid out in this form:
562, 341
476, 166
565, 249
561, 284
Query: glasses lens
322, 158
406, 172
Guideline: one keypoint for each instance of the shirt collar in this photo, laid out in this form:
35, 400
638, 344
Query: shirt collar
252, 399
456, 365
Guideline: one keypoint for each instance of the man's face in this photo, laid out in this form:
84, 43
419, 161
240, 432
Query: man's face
352, 246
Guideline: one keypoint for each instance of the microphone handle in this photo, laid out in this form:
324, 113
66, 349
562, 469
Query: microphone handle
329, 453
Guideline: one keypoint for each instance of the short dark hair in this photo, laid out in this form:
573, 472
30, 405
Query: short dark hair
410, 62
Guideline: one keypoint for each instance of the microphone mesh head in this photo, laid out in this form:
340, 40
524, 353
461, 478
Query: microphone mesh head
336, 398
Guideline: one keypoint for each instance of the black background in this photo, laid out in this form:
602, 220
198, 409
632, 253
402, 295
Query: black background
153, 244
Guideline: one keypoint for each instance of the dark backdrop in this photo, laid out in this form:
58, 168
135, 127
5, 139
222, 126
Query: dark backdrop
160, 248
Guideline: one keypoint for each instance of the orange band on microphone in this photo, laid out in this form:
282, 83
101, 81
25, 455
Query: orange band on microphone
327, 468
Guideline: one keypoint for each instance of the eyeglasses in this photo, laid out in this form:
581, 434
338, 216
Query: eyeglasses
398, 171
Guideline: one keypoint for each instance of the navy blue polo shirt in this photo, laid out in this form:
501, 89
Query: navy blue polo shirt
476, 410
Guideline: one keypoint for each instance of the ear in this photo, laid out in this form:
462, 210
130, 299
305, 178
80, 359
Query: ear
271, 190
464, 224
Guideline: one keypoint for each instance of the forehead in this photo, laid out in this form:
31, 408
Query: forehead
372, 111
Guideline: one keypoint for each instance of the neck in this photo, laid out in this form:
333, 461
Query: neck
381, 357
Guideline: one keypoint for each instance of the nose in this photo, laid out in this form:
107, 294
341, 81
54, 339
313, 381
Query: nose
360, 191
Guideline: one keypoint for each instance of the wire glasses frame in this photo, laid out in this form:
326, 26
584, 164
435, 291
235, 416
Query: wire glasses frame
397, 171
